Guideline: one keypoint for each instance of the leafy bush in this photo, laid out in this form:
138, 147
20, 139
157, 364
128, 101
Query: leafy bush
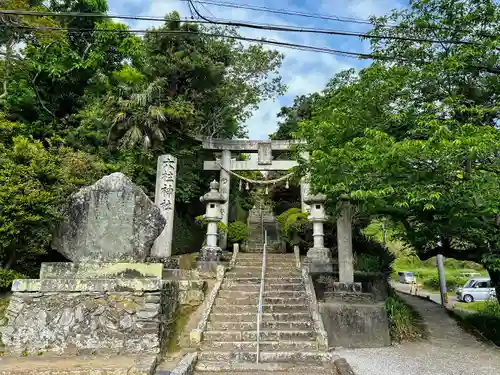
367, 263
35, 179
7, 277
221, 227
371, 255
237, 232
404, 323
452, 282
282, 218
486, 321
188, 237
491, 307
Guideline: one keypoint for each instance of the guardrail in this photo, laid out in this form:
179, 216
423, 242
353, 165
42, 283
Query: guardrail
261, 293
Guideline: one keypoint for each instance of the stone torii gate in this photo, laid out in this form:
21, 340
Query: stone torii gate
165, 197
265, 162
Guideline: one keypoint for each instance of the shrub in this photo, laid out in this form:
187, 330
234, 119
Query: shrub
404, 322
371, 255
486, 321
221, 227
35, 179
452, 282
297, 227
237, 232
281, 219
7, 277
491, 307
367, 263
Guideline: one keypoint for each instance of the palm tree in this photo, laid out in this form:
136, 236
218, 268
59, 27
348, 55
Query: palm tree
141, 117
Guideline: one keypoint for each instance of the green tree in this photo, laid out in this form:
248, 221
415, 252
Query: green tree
416, 139
117, 101
291, 116
34, 181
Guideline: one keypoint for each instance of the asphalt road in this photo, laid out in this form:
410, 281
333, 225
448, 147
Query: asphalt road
405, 288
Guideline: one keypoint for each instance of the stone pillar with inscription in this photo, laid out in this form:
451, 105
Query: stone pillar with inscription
224, 190
344, 242
165, 200
304, 186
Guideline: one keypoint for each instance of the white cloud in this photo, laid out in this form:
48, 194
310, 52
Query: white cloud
304, 72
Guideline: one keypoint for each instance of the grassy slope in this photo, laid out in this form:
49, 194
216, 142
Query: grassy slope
405, 324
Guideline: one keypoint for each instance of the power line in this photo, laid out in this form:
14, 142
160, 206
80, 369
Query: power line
239, 24
91, 15
303, 47
319, 31
217, 35
227, 4
322, 16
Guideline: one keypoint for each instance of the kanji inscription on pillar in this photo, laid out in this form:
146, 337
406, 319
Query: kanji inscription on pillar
265, 155
165, 200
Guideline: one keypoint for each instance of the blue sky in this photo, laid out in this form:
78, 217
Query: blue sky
303, 72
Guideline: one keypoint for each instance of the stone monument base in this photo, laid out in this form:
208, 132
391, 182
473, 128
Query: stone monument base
354, 318
210, 254
208, 261
355, 326
74, 309
319, 260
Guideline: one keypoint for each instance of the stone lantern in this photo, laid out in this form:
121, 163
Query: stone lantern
318, 256
211, 252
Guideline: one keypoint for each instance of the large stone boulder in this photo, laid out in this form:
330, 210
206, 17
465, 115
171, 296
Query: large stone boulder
110, 221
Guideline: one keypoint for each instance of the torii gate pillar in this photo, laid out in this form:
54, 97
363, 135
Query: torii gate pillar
225, 183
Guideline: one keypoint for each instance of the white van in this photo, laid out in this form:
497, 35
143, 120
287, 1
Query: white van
406, 277
477, 289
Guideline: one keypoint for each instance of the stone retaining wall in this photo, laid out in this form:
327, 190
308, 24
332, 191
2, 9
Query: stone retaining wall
90, 316
191, 292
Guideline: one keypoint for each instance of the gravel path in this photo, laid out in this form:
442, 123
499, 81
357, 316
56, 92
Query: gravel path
448, 350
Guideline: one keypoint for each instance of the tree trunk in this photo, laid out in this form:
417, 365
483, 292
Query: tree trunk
495, 281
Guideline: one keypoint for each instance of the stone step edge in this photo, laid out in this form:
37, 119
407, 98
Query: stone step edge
264, 322
267, 342
233, 282
262, 331
264, 354
219, 366
291, 305
266, 293
231, 300
264, 315
257, 278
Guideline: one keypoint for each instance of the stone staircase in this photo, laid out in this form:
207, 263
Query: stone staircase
287, 339
258, 222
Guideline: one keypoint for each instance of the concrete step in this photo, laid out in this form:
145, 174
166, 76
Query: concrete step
224, 308
265, 346
257, 272
271, 256
252, 325
228, 293
271, 280
265, 335
254, 300
248, 287
298, 370
266, 317
275, 266
269, 263
251, 356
